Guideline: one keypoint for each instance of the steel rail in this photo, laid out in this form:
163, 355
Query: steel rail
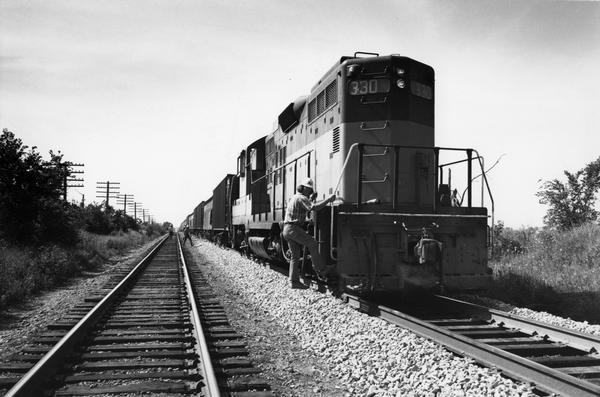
544, 378
47, 366
578, 340
211, 385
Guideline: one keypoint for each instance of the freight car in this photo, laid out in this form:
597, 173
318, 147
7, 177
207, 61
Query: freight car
187, 222
366, 133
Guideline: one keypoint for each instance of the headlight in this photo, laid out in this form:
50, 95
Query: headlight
400, 83
400, 71
352, 70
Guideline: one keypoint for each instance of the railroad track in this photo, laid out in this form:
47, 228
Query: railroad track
554, 360
159, 330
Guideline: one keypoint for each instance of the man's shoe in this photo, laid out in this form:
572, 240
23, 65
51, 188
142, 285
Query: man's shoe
297, 285
322, 276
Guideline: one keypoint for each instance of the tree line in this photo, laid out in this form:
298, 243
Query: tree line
32, 209
572, 203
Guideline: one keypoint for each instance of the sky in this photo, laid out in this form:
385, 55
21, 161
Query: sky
162, 96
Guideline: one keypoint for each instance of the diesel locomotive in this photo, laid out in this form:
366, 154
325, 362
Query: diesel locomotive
366, 133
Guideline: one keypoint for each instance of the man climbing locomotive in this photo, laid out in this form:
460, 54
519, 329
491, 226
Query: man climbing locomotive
293, 231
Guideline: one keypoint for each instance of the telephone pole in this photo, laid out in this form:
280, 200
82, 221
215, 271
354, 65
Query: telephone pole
68, 179
107, 190
144, 214
136, 207
122, 199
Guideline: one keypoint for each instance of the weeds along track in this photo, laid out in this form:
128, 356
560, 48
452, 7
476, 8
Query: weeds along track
554, 360
159, 330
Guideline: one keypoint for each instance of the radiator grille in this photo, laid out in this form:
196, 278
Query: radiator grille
331, 94
312, 110
336, 139
324, 100
321, 102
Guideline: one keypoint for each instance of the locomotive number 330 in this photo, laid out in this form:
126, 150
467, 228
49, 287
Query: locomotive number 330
372, 86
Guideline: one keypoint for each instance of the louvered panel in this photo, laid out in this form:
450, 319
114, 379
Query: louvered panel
331, 94
336, 139
321, 102
312, 110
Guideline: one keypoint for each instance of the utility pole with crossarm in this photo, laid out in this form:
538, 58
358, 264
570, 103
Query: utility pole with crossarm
68, 179
124, 199
107, 190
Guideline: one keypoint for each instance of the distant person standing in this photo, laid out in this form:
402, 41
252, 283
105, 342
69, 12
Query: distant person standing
187, 236
293, 231
170, 232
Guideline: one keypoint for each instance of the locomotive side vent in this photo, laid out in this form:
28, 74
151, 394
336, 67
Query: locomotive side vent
331, 94
336, 139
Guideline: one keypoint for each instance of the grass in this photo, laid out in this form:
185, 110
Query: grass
114, 244
555, 271
27, 270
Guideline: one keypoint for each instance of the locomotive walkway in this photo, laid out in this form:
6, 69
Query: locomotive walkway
159, 330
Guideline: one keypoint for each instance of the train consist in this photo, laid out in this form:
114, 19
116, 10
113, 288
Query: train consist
366, 133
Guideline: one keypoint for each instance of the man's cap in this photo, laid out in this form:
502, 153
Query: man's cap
307, 182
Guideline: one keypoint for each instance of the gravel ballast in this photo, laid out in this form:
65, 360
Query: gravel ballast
579, 326
355, 354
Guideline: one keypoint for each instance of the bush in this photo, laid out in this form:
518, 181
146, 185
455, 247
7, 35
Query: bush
16, 279
40, 240
509, 241
58, 223
100, 220
566, 261
105, 246
154, 229
95, 220
24, 271
30, 195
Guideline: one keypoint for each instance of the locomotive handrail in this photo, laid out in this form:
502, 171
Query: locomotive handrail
282, 166
363, 126
386, 151
365, 53
367, 102
376, 73
487, 185
385, 178
295, 162
436, 150
458, 162
355, 145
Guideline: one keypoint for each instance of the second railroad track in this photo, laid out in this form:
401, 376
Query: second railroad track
160, 330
